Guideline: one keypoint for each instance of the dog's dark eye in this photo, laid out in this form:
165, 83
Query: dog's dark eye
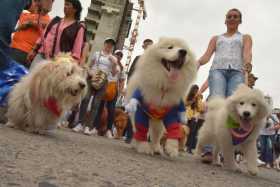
170, 47
253, 104
69, 73
241, 103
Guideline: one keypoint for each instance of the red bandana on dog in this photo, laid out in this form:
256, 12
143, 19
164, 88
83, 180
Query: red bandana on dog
51, 105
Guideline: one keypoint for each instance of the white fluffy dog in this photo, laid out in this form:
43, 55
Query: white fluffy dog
40, 99
234, 123
162, 77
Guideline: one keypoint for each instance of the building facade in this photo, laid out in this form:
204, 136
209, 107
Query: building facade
108, 18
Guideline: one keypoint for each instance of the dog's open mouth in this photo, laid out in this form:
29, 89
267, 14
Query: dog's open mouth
246, 124
173, 67
176, 64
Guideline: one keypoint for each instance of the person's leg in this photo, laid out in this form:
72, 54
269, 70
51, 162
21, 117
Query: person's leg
83, 108
217, 83
270, 151
96, 122
95, 108
190, 141
235, 78
111, 112
129, 131
264, 148
72, 115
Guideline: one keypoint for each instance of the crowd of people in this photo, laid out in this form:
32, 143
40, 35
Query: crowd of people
37, 37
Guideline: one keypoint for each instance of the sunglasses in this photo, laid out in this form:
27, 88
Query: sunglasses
233, 16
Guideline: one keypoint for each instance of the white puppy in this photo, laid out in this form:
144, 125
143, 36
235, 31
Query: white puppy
40, 99
233, 123
162, 78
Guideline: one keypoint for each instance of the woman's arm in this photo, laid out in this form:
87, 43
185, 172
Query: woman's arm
114, 62
78, 44
203, 87
84, 53
247, 52
209, 52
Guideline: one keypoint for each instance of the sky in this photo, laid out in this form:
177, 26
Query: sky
196, 21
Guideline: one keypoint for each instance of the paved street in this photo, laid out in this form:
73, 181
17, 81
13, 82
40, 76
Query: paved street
67, 159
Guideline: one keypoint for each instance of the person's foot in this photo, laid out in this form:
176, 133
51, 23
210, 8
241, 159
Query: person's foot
189, 151
94, 131
128, 140
109, 134
78, 128
260, 163
89, 132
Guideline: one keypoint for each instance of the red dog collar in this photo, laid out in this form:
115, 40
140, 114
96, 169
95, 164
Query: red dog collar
51, 105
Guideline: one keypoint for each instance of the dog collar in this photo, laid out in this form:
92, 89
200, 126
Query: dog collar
238, 134
51, 105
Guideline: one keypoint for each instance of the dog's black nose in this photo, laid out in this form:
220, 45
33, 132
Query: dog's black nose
82, 85
182, 52
246, 114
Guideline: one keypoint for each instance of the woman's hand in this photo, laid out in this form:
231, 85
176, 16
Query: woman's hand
247, 67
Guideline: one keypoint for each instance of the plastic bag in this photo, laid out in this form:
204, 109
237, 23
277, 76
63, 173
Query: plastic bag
8, 78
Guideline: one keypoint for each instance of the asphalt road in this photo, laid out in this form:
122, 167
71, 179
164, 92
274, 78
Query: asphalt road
66, 159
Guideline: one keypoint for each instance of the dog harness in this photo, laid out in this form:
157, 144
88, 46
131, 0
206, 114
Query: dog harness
51, 105
169, 115
238, 134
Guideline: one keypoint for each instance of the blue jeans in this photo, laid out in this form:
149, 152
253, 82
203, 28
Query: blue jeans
266, 149
223, 82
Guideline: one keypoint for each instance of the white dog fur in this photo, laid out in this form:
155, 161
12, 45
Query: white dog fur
151, 78
62, 80
215, 132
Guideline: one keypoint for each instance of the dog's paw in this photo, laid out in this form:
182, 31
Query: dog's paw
253, 171
157, 149
172, 147
143, 147
10, 124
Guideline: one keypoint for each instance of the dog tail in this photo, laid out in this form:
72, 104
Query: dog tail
215, 103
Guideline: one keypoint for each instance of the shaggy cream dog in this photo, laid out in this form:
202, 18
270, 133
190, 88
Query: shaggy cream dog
234, 123
163, 76
40, 99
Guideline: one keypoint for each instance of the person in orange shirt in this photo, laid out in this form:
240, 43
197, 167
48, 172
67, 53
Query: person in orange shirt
30, 27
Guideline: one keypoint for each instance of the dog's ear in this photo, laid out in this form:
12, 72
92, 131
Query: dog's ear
231, 104
264, 108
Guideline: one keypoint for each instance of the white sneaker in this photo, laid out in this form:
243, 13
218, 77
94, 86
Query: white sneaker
260, 163
109, 134
78, 128
87, 131
94, 131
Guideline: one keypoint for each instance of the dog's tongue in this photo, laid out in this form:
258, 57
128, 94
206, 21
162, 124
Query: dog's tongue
245, 125
173, 74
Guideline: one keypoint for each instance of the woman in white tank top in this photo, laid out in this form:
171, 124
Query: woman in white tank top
232, 60
233, 56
